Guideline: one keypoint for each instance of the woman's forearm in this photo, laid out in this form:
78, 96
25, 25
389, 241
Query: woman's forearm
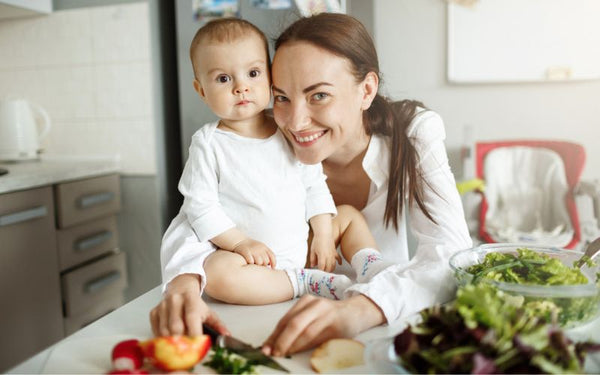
364, 313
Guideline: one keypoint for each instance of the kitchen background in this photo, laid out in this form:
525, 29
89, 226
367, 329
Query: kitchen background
107, 73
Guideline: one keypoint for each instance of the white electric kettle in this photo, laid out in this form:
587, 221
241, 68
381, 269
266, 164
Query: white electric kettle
22, 126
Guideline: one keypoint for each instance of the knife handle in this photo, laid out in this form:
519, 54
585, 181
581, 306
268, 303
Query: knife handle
214, 335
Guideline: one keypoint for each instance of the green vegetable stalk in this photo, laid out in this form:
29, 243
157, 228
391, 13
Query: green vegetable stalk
225, 362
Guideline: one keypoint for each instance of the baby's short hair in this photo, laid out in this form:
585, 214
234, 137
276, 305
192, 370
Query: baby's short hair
223, 30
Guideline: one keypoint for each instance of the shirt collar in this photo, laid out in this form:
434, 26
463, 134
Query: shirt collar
377, 160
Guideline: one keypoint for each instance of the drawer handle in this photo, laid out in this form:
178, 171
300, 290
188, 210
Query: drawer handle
93, 240
26, 215
94, 199
101, 282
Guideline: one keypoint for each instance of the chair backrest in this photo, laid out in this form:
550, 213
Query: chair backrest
573, 157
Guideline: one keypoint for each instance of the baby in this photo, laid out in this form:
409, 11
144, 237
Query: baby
244, 191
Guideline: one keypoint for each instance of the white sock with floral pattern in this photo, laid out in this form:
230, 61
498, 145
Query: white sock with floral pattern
318, 283
367, 263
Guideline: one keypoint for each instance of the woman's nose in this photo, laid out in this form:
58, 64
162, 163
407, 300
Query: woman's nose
299, 118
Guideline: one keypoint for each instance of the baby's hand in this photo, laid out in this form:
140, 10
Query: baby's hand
255, 252
323, 253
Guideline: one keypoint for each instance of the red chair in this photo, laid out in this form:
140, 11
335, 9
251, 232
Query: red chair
573, 157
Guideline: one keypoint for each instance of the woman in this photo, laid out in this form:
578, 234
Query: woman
385, 159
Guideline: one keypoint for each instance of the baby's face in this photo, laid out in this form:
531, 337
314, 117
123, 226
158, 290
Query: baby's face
233, 77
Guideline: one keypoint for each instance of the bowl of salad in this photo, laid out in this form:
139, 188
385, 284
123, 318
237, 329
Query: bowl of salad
543, 278
482, 331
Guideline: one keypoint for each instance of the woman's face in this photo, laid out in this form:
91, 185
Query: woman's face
318, 104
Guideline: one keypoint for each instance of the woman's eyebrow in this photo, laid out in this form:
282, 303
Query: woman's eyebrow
312, 87
275, 88
307, 89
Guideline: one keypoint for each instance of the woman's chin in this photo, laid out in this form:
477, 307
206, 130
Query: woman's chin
308, 157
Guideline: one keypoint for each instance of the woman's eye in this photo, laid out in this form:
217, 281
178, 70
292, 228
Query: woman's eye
254, 73
280, 98
320, 96
223, 78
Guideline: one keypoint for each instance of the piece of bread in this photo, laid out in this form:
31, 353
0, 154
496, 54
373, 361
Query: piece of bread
336, 354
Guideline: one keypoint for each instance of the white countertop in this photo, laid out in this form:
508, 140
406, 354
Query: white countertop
88, 350
53, 169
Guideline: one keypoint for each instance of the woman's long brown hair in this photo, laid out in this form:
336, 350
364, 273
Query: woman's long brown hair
346, 37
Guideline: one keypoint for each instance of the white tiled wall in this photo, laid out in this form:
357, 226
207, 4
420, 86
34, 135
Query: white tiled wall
90, 69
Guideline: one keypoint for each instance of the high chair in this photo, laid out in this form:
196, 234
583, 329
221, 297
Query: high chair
532, 193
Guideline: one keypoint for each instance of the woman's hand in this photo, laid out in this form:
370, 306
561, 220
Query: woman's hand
323, 254
182, 310
314, 320
255, 252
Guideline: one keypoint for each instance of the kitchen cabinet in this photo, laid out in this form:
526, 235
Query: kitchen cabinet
30, 292
61, 267
24, 8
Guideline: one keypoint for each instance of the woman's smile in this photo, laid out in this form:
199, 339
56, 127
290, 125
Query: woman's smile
306, 139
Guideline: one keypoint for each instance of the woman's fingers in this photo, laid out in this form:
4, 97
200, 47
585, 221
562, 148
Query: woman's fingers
175, 323
194, 309
163, 324
319, 331
281, 325
294, 323
213, 320
154, 320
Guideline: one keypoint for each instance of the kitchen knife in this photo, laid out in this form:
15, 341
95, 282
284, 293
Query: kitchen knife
252, 354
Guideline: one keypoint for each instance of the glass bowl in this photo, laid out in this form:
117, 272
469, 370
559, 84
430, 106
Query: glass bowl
381, 358
577, 304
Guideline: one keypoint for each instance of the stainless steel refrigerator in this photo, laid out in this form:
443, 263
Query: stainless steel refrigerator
193, 113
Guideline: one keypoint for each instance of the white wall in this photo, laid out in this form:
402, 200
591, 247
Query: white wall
411, 40
90, 69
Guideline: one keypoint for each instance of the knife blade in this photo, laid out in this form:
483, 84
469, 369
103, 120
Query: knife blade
252, 354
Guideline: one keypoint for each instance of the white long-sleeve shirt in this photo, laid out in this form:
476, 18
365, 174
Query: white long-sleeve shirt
256, 185
411, 284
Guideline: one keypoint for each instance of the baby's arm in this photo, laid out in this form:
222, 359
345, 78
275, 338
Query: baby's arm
253, 251
322, 252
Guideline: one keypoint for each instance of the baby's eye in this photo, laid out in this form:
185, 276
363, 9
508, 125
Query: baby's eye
223, 78
254, 73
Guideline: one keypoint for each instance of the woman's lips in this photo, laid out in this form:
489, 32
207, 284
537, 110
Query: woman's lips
308, 139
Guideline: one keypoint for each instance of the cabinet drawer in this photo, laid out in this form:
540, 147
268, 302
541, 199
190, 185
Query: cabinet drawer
77, 322
83, 200
89, 285
86, 241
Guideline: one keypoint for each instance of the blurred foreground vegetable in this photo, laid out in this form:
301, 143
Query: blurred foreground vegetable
487, 331
225, 362
172, 353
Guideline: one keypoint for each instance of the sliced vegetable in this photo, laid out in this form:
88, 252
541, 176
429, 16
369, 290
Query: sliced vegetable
171, 353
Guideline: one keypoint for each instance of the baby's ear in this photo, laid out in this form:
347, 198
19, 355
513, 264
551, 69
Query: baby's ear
198, 88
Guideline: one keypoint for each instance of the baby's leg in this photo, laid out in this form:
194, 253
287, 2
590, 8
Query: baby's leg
351, 232
357, 243
230, 279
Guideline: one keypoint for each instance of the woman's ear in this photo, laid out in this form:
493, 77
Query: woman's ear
369, 86
198, 88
